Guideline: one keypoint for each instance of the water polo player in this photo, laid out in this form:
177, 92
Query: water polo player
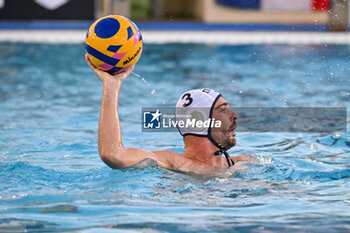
205, 150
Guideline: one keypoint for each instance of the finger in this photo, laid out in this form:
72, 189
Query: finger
124, 74
130, 69
96, 70
89, 62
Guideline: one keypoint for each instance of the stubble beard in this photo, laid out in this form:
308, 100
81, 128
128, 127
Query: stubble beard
225, 139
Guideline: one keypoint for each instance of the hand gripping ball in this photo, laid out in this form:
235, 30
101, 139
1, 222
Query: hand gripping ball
113, 43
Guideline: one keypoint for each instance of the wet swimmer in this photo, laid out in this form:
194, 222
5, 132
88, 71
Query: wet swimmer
205, 150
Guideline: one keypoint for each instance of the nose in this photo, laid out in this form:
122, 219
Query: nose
234, 116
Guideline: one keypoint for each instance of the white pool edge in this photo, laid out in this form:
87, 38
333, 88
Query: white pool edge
162, 37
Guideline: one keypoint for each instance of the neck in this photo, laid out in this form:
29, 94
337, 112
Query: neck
201, 149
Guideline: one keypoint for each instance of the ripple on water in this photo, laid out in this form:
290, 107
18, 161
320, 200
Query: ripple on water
52, 178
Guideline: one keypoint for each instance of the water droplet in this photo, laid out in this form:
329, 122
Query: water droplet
153, 91
145, 81
135, 74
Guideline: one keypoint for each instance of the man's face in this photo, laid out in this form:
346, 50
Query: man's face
225, 135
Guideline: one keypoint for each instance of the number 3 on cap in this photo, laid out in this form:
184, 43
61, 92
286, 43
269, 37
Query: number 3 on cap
187, 96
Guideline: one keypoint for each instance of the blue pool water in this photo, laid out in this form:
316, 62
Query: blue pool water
52, 179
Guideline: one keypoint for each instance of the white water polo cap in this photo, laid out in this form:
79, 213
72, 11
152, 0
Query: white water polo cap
194, 112
194, 109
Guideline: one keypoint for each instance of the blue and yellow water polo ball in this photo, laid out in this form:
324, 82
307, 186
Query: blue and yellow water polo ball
113, 43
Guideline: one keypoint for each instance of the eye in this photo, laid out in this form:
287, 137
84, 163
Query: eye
223, 110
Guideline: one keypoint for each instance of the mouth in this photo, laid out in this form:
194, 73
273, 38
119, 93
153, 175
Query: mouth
233, 127
232, 130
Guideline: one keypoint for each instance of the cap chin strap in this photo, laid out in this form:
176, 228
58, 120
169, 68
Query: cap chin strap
221, 151
227, 156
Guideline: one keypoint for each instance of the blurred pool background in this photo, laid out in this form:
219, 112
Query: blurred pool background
52, 179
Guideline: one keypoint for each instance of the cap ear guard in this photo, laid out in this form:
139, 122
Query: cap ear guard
209, 129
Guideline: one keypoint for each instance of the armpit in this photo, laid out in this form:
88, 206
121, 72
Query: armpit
145, 162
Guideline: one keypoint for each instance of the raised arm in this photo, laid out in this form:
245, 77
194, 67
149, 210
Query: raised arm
110, 144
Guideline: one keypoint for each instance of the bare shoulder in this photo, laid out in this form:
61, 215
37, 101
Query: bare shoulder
166, 153
176, 162
179, 163
167, 158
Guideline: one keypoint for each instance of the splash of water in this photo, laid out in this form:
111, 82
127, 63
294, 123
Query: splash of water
153, 91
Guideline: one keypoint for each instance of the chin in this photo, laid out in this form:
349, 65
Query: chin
228, 141
232, 142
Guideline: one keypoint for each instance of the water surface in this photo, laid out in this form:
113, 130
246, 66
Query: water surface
52, 179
